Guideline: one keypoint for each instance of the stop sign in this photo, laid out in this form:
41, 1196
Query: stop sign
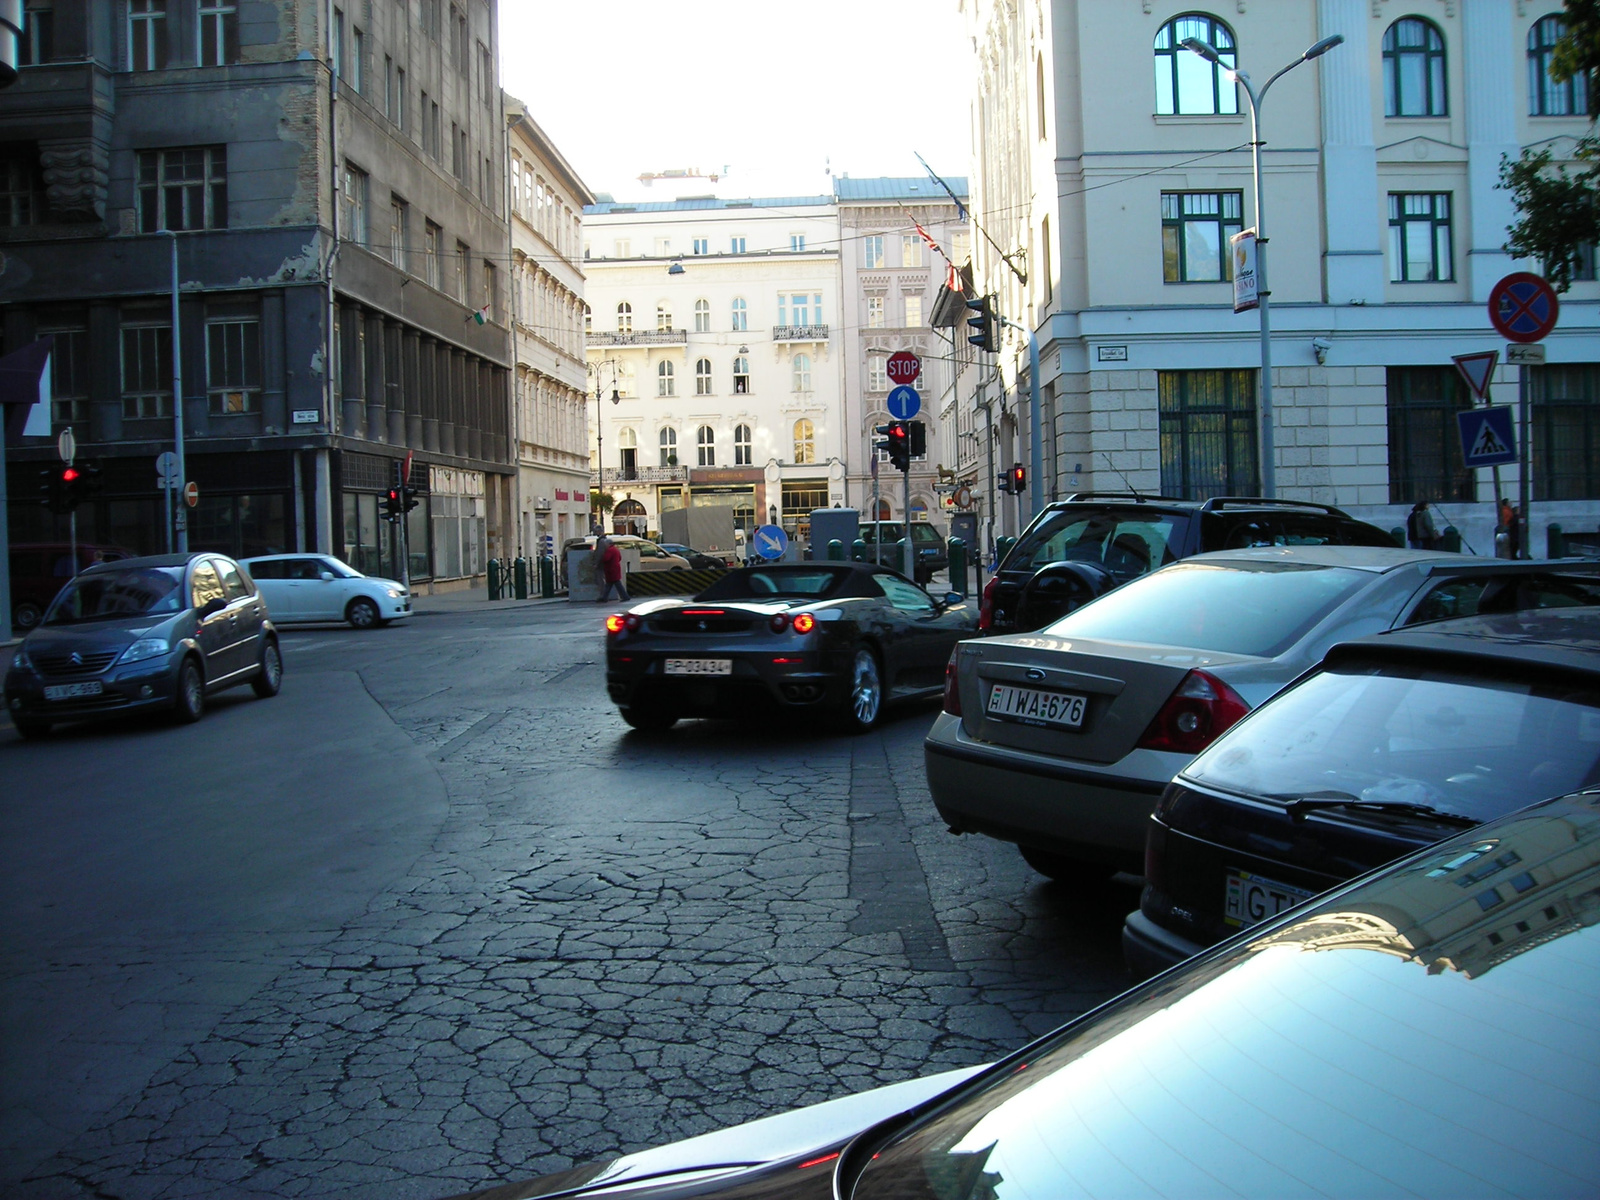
904, 366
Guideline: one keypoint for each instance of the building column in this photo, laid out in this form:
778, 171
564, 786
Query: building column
105, 384
428, 377
411, 385
395, 382
351, 368
274, 381
377, 378
1490, 60
1353, 262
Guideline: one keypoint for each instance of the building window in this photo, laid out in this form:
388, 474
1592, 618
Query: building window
702, 245
431, 235
485, 74
1187, 83
913, 312
38, 41
741, 375
147, 35
664, 317
736, 245
663, 247
669, 446
1208, 433
702, 377
399, 231
702, 316
800, 500
463, 254
799, 308
627, 453
1195, 228
622, 248
741, 445
69, 371
741, 316
706, 446
872, 251
183, 189
1565, 413
802, 372
491, 292
624, 317
233, 363
797, 243
21, 187
1424, 441
877, 373
354, 198
336, 52
1413, 69
358, 59
875, 318
805, 442
146, 370
219, 33
666, 379
1419, 238
1546, 97
910, 250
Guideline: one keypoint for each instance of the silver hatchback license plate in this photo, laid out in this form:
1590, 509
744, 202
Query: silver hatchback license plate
1250, 898
1030, 706
69, 691
699, 666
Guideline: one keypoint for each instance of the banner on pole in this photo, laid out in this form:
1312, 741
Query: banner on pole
1246, 287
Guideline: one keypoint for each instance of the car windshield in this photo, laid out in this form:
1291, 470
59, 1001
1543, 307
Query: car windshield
1125, 544
761, 583
1471, 746
109, 595
1233, 608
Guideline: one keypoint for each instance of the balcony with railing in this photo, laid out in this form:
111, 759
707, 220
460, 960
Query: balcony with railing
618, 475
799, 333
644, 337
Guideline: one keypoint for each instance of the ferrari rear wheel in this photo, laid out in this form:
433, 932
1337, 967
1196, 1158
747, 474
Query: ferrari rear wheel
647, 718
864, 702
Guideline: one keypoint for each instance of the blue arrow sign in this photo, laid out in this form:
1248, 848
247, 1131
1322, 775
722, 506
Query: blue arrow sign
1486, 437
771, 541
904, 403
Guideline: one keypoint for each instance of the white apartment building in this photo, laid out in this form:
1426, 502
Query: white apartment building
1111, 166
550, 408
714, 352
891, 278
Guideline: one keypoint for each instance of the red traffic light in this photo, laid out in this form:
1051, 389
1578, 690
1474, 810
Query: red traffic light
69, 474
1019, 478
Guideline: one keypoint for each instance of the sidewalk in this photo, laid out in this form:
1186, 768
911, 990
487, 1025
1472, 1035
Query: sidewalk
476, 600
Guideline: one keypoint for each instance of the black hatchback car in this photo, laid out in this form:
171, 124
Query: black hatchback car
142, 633
1089, 543
1394, 742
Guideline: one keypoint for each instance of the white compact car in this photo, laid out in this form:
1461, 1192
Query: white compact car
318, 587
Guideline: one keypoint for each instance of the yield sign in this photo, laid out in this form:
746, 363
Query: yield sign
1477, 370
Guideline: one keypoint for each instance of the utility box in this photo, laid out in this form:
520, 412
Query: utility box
830, 523
706, 528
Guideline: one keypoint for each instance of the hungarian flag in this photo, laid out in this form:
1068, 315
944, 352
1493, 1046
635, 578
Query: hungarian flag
481, 316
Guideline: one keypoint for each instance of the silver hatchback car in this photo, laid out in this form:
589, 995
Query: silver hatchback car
1062, 739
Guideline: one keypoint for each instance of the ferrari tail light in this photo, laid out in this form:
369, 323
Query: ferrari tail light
779, 622
1195, 715
952, 687
803, 623
633, 621
986, 606
616, 623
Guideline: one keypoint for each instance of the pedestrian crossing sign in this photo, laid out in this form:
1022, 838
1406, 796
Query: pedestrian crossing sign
1487, 439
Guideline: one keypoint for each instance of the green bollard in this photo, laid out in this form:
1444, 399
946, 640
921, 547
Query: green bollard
1555, 542
494, 579
547, 576
858, 551
835, 550
1002, 547
519, 575
1450, 540
1398, 533
958, 565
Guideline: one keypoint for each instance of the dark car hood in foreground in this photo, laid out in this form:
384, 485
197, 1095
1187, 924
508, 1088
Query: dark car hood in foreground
1426, 1030
101, 635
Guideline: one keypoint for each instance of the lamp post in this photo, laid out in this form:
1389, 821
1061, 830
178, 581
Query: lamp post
1268, 448
599, 416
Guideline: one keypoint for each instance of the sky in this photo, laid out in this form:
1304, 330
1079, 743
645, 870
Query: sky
771, 93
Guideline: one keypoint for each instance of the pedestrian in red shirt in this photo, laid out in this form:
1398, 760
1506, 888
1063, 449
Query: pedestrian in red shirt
610, 569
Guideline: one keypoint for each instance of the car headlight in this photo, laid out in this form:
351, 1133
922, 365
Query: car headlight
145, 648
19, 660
394, 593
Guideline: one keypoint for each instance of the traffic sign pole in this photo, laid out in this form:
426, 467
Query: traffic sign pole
1523, 307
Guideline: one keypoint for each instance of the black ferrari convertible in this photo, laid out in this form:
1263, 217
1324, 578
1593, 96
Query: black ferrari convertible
835, 638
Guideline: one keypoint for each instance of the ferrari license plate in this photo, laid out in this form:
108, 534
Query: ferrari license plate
1031, 706
68, 691
699, 666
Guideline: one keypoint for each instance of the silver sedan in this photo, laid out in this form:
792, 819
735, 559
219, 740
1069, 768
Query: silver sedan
1061, 740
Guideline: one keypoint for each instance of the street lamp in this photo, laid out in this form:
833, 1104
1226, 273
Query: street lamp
1269, 483
599, 417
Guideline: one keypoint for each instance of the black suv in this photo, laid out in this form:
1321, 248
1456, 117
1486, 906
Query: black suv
1089, 543
932, 552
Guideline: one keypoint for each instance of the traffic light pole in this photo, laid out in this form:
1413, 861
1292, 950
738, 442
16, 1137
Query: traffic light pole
181, 521
908, 556
1036, 432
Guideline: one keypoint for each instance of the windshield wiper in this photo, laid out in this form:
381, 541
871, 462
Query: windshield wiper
1298, 804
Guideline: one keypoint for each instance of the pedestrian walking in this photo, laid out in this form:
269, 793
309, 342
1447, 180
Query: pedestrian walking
1510, 524
1421, 532
609, 569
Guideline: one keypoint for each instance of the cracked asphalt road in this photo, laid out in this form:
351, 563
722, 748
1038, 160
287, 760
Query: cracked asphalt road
434, 919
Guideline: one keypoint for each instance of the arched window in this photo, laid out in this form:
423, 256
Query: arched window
666, 379
802, 372
741, 315
1546, 97
805, 443
706, 445
624, 317
664, 317
702, 316
1413, 69
627, 438
627, 453
1187, 83
702, 377
669, 446
741, 445
741, 375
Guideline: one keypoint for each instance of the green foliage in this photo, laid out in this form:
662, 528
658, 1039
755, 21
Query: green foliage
602, 502
1578, 51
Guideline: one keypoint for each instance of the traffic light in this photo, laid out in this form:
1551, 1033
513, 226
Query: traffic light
897, 441
982, 324
85, 483
63, 486
393, 504
918, 437
1019, 478
51, 493
408, 496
